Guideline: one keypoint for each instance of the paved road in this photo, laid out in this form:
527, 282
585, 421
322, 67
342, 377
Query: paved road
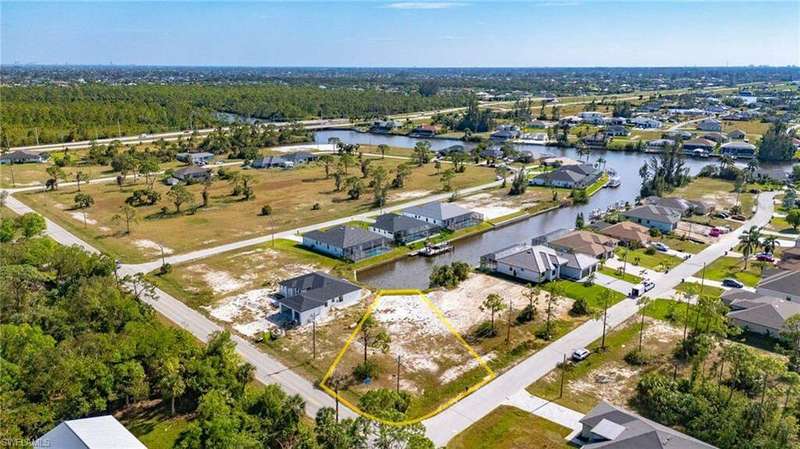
444, 426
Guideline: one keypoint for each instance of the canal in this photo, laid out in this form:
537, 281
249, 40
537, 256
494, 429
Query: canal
413, 272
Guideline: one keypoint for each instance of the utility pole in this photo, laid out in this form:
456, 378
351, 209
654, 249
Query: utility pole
314, 336
508, 331
336, 389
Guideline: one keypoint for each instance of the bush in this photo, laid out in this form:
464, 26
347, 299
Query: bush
637, 358
580, 307
526, 315
364, 371
485, 330
266, 210
143, 197
165, 269
448, 276
316, 206
655, 232
650, 251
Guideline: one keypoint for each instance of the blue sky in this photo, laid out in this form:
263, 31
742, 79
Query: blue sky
433, 34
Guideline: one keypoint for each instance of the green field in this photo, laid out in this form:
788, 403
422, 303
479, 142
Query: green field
692, 288
627, 277
508, 427
733, 267
639, 257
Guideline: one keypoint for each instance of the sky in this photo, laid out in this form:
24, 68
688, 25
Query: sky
543, 33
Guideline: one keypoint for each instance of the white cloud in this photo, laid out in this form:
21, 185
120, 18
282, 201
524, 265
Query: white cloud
423, 5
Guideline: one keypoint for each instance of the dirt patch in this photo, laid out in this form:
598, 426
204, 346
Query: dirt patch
461, 305
454, 372
492, 207
151, 246
410, 195
78, 216
221, 282
609, 382
252, 311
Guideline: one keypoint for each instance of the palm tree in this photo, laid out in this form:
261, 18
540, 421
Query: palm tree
602, 160
769, 244
749, 242
752, 166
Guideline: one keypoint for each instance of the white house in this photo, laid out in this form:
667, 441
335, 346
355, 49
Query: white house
310, 296
645, 122
99, 432
535, 264
592, 117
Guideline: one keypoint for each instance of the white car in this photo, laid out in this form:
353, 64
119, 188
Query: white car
648, 285
580, 354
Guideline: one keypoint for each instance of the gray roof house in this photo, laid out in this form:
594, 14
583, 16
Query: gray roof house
300, 157
533, 264
569, 176
402, 228
780, 284
190, 174
22, 157
310, 296
271, 162
709, 124
197, 158
445, 215
610, 427
685, 207
616, 130
737, 134
346, 242
99, 432
665, 219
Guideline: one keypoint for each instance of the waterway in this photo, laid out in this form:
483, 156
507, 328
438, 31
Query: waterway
413, 272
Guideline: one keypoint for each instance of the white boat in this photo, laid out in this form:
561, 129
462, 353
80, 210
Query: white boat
596, 214
435, 249
532, 139
614, 181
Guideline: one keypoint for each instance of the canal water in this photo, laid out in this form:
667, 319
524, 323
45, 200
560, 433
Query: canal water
413, 272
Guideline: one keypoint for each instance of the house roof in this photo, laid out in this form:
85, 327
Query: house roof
299, 156
699, 142
569, 173
768, 312
343, 236
398, 223
578, 261
679, 204
637, 432
22, 155
782, 281
627, 231
190, 170
738, 146
537, 259
100, 432
269, 160
316, 289
437, 210
656, 213
586, 242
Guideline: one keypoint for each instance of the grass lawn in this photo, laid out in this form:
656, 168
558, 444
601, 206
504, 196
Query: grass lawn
753, 128
781, 225
591, 293
290, 193
666, 309
627, 277
508, 427
693, 288
733, 267
683, 245
597, 185
154, 426
639, 257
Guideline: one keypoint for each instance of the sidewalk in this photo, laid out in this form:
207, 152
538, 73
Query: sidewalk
550, 411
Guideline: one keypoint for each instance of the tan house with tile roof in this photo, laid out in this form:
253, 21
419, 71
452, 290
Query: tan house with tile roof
585, 242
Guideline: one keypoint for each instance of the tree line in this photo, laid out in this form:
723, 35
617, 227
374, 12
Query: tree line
51, 114
77, 341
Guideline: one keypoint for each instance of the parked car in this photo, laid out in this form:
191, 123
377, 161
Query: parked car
731, 282
661, 247
714, 232
738, 217
765, 257
722, 214
580, 354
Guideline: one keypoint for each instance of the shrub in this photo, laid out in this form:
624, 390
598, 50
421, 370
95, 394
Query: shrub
368, 370
266, 210
316, 206
650, 251
143, 197
485, 330
637, 358
526, 315
655, 232
580, 307
165, 269
83, 200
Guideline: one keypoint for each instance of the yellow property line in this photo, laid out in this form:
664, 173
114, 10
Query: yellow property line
440, 315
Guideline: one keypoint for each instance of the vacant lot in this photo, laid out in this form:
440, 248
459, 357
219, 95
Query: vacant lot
696, 289
605, 375
719, 192
781, 225
297, 197
498, 203
508, 427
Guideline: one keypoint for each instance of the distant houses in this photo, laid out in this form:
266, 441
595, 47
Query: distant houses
445, 215
424, 131
310, 296
698, 146
737, 134
569, 176
23, 157
346, 242
645, 122
383, 126
403, 229
616, 130
592, 117
271, 162
506, 132
665, 219
709, 124
758, 312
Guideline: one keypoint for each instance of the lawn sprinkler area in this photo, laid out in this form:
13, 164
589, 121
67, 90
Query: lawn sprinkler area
423, 348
